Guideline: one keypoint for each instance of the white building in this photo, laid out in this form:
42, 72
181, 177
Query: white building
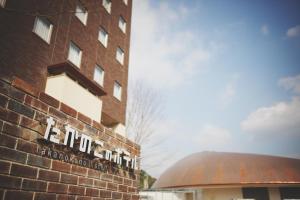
228, 176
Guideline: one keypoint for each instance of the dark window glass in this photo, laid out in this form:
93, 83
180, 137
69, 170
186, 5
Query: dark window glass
290, 192
256, 193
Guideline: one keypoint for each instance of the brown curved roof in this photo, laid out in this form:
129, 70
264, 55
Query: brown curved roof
216, 168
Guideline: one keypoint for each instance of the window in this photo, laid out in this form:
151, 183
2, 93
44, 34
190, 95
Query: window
117, 90
107, 5
257, 193
2, 3
81, 13
120, 55
287, 193
99, 75
74, 54
122, 24
43, 28
103, 36
125, 1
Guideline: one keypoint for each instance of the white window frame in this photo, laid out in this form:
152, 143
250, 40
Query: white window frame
122, 24
107, 5
117, 90
80, 9
125, 2
47, 37
100, 79
105, 40
72, 44
2, 3
120, 58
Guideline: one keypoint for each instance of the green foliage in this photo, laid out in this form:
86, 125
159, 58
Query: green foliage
146, 181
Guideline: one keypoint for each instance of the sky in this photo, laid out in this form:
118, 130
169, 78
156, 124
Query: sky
228, 71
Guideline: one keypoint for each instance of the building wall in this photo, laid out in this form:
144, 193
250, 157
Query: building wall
221, 194
162, 195
274, 194
63, 89
27, 56
28, 174
211, 194
235, 193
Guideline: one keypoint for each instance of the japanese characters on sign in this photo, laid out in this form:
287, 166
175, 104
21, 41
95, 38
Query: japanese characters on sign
118, 155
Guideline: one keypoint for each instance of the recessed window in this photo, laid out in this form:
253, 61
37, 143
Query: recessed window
81, 13
289, 193
117, 90
2, 3
103, 36
122, 24
43, 28
107, 5
120, 55
75, 54
125, 1
255, 193
99, 75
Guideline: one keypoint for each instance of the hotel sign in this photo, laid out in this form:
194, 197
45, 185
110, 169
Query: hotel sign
87, 145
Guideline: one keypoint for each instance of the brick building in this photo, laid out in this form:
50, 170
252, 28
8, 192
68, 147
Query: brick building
87, 40
63, 93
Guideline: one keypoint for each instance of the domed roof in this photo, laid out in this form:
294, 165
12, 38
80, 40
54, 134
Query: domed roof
216, 168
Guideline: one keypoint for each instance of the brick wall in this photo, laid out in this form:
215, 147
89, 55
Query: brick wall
25, 174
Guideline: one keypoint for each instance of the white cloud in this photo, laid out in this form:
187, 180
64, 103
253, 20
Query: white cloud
212, 137
293, 31
229, 92
264, 29
161, 53
291, 83
279, 119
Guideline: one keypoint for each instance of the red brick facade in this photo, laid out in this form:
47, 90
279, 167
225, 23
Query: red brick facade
26, 174
24, 54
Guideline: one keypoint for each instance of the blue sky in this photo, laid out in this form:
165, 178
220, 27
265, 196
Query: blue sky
229, 73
